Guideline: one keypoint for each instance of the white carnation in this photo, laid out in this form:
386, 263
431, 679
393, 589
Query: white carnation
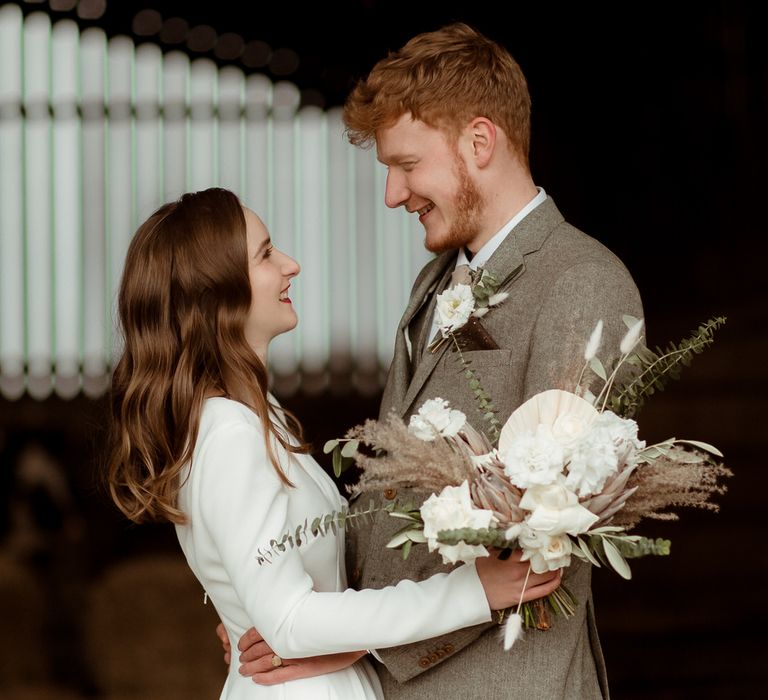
434, 418
453, 509
533, 458
592, 461
611, 442
623, 432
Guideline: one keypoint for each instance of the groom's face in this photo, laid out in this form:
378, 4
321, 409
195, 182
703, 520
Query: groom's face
427, 175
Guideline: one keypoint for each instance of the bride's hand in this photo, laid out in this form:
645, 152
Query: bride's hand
257, 661
505, 582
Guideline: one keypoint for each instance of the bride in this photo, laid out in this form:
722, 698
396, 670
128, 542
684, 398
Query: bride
198, 440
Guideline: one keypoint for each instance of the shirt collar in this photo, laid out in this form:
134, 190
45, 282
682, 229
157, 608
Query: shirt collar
481, 257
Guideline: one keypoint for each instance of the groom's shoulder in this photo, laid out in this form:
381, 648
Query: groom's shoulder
569, 246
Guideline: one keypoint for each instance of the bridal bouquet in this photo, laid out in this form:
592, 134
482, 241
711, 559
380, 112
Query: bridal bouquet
565, 476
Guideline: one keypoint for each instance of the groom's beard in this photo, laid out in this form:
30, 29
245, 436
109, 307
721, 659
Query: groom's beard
469, 203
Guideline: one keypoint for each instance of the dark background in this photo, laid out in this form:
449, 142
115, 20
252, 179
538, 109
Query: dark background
649, 132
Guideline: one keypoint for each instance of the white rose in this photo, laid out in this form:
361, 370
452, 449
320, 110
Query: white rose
533, 458
545, 552
454, 307
569, 428
453, 509
555, 510
436, 418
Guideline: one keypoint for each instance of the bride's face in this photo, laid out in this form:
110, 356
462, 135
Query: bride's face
270, 272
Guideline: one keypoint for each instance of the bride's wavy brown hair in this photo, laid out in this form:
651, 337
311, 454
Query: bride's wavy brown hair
183, 302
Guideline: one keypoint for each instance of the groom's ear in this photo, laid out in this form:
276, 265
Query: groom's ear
482, 136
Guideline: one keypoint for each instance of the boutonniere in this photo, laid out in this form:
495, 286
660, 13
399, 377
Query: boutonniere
460, 308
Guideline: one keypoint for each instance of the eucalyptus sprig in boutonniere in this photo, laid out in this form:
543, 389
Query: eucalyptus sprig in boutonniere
459, 310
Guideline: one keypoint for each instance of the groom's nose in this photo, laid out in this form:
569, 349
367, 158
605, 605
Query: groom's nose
396, 193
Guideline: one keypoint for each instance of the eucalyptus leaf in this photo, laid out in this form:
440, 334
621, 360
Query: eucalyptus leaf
337, 463
350, 448
406, 516
329, 446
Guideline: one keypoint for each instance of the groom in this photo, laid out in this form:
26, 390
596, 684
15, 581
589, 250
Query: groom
449, 115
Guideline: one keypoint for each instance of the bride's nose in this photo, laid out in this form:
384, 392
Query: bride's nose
290, 267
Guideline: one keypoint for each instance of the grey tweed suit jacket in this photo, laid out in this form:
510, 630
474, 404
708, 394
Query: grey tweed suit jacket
560, 283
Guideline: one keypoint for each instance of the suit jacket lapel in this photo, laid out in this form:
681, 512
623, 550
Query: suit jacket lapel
408, 340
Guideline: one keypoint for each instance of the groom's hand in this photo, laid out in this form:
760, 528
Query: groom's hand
256, 662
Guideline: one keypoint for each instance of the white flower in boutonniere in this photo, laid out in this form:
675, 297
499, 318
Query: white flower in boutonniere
460, 307
454, 307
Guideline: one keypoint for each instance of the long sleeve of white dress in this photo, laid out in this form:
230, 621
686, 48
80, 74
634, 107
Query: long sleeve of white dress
237, 504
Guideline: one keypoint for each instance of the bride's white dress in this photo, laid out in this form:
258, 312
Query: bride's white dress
236, 504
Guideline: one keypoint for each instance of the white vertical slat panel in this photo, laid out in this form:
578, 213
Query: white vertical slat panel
37, 200
341, 270
313, 301
175, 124
231, 122
149, 164
120, 178
285, 349
12, 308
172, 126
97, 285
366, 264
67, 208
390, 271
202, 145
257, 188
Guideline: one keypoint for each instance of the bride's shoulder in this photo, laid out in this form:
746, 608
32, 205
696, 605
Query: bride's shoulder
219, 413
